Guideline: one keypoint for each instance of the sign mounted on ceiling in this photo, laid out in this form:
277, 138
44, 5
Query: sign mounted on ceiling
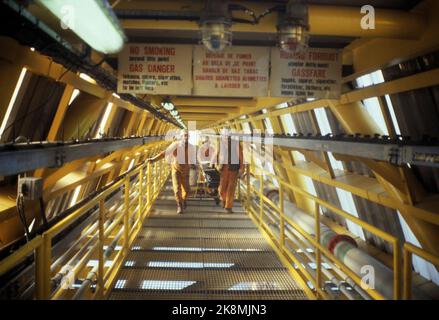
155, 69
314, 73
238, 71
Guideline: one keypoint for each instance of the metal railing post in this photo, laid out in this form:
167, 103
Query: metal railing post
248, 187
239, 186
101, 260
47, 260
407, 274
126, 220
261, 198
396, 271
148, 185
39, 273
140, 195
159, 175
317, 250
154, 179
282, 219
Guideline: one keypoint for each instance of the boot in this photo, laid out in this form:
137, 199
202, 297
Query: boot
228, 210
179, 208
184, 204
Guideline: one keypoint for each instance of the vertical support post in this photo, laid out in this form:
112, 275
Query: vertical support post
39, 273
396, 271
47, 274
261, 199
160, 172
148, 184
158, 175
317, 250
282, 217
407, 274
157, 178
140, 195
101, 249
154, 188
126, 220
239, 186
248, 188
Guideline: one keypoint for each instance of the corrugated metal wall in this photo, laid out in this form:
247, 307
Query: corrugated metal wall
417, 111
34, 108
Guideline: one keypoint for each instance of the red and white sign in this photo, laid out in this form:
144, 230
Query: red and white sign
238, 71
155, 69
314, 73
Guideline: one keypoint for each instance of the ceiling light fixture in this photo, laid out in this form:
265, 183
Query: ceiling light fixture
215, 24
168, 105
293, 27
92, 20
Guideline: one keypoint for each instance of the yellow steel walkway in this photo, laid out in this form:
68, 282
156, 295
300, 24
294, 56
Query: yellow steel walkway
201, 254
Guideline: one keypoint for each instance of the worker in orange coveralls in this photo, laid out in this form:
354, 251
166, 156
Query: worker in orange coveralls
179, 154
231, 168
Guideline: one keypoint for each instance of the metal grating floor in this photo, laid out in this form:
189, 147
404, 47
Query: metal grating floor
202, 254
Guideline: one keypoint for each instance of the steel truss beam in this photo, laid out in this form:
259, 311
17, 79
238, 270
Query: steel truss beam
35, 33
324, 19
26, 157
391, 151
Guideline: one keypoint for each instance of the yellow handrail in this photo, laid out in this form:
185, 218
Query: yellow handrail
319, 249
9, 262
408, 251
131, 224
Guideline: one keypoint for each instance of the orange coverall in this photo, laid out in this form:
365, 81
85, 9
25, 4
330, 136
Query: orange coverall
179, 169
229, 176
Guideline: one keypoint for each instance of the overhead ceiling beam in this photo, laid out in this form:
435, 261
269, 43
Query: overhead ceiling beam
197, 116
39, 64
208, 109
31, 157
213, 102
258, 103
324, 20
368, 55
198, 124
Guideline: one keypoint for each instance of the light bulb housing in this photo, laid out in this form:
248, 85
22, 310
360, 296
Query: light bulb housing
293, 27
215, 24
93, 21
168, 106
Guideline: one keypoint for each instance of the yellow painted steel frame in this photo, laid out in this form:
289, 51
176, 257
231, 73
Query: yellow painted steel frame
11, 63
319, 249
413, 82
408, 251
41, 245
409, 198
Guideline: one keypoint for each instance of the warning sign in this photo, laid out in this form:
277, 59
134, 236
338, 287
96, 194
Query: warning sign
155, 69
314, 73
235, 72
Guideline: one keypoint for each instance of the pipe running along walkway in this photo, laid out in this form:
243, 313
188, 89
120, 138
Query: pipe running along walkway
203, 253
127, 242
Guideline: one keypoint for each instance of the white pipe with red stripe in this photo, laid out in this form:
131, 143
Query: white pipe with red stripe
344, 248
